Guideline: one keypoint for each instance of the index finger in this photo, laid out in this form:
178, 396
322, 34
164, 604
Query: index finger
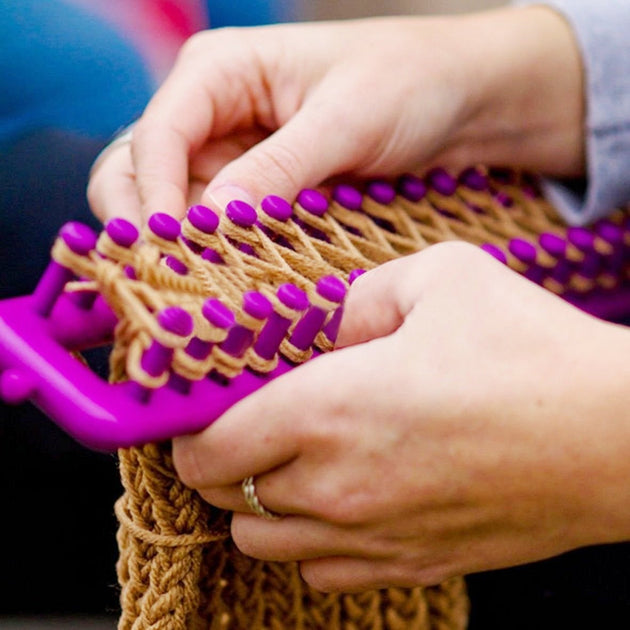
177, 121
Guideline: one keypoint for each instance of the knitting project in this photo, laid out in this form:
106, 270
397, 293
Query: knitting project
205, 311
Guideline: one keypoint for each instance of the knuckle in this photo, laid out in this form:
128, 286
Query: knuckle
453, 253
279, 163
334, 504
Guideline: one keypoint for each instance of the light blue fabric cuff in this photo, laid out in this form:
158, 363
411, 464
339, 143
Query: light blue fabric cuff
601, 30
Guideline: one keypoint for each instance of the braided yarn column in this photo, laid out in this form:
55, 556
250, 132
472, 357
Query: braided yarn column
179, 570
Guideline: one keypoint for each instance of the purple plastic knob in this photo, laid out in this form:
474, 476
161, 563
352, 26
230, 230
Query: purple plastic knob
256, 305
240, 338
122, 232
354, 274
241, 213
610, 232
176, 265
494, 251
523, 250
176, 320
293, 297
212, 256
80, 238
203, 218
382, 192
277, 208
331, 288
313, 201
164, 226
581, 238
217, 313
553, 244
412, 188
474, 179
504, 199
442, 182
15, 387
348, 197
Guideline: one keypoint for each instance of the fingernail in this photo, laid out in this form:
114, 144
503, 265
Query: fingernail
221, 196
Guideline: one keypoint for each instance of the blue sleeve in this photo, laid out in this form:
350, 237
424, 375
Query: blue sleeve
601, 30
64, 68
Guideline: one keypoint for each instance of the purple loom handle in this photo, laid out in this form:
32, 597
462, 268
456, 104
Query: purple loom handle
101, 416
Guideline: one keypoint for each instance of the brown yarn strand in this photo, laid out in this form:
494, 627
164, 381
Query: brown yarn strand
178, 568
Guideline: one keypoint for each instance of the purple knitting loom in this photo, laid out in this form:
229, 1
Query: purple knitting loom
39, 332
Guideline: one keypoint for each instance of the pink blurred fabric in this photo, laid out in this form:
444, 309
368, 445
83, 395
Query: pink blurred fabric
157, 28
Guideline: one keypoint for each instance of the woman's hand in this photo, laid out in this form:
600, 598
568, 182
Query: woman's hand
249, 112
472, 421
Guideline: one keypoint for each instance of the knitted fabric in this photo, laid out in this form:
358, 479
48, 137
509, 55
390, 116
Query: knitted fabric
178, 568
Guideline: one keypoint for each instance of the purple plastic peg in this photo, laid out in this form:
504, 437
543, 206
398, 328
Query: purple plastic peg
16, 387
348, 197
203, 218
610, 232
305, 331
412, 188
219, 316
354, 274
81, 240
241, 213
495, 252
122, 232
217, 313
240, 337
157, 358
553, 244
164, 226
523, 250
313, 202
442, 182
212, 256
503, 199
582, 238
474, 179
277, 208
176, 265
275, 329
381, 191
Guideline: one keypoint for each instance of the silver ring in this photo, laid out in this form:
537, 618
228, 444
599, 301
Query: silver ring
252, 500
124, 136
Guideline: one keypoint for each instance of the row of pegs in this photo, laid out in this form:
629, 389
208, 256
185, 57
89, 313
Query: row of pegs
299, 323
574, 260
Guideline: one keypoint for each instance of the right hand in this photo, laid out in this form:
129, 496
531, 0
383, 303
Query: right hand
249, 112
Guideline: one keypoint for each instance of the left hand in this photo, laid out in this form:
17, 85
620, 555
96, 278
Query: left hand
472, 421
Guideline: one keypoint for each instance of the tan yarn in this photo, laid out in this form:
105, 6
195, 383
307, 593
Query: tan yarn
178, 568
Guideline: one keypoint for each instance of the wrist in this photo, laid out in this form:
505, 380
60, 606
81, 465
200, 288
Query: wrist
525, 91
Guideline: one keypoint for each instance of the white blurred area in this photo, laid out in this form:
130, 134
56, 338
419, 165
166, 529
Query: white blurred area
337, 9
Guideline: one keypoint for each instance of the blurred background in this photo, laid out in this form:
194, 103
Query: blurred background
334, 9
73, 72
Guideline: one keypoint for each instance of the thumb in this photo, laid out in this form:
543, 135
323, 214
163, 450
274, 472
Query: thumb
305, 151
378, 302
